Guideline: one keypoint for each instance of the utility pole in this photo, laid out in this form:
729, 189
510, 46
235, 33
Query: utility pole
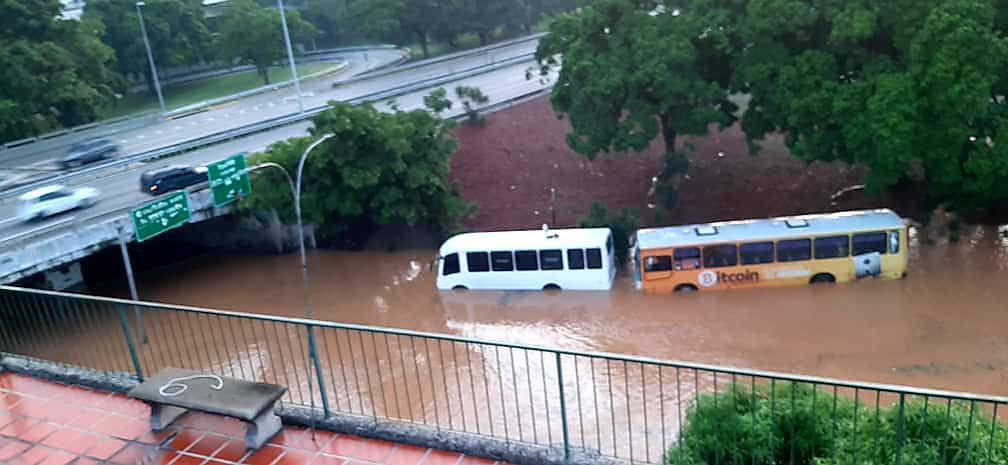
150, 58
132, 285
290, 55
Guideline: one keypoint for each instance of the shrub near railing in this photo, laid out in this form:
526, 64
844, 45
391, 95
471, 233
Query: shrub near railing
796, 423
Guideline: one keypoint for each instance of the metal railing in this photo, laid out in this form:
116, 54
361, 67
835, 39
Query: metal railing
566, 401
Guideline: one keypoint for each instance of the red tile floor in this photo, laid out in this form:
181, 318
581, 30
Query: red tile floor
46, 423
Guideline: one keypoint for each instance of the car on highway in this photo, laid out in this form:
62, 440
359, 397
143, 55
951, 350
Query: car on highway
169, 178
89, 151
53, 200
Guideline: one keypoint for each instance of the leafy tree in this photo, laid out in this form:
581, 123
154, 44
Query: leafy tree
912, 89
472, 98
254, 35
633, 69
53, 72
379, 169
622, 225
176, 29
437, 101
484, 17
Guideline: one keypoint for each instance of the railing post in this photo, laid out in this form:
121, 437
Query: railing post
899, 428
313, 353
563, 408
129, 343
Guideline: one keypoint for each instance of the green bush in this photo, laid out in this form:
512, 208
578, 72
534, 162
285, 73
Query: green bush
810, 426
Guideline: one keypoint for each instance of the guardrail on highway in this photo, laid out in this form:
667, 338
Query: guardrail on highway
443, 58
267, 124
412, 65
15, 241
248, 93
75, 129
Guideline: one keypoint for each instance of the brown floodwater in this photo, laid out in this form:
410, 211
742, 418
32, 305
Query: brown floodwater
944, 326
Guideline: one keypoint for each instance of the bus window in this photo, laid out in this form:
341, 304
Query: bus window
658, 263
526, 260
502, 261
755, 253
594, 257
575, 259
478, 261
869, 242
719, 256
551, 259
794, 250
451, 265
687, 258
608, 245
894, 241
832, 247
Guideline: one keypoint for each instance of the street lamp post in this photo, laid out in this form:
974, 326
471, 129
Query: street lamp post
297, 211
150, 57
296, 193
290, 55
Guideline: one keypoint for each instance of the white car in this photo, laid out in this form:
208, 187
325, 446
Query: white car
52, 200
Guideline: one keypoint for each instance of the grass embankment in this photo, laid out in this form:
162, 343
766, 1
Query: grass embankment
197, 91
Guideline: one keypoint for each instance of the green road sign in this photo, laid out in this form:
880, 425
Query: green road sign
229, 179
156, 217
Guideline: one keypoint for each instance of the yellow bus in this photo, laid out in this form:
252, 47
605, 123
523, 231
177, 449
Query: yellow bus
823, 248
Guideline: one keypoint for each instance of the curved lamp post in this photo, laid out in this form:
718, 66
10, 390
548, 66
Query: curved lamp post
296, 193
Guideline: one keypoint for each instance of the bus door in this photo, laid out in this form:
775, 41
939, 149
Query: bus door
657, 267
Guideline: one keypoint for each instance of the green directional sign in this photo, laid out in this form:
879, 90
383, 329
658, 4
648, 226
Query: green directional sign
153, 218
229, 179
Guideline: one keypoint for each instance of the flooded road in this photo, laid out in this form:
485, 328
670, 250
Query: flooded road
945, 326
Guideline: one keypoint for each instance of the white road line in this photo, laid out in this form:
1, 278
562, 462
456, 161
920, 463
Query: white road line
141, 136
159, 132
8, 220
39, 229
177, 128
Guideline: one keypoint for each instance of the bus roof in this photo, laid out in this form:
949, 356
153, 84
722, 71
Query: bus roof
768, 229
526, 240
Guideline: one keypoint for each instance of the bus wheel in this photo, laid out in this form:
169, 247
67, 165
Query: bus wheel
551, 288
822, 278
460, 288
685, 288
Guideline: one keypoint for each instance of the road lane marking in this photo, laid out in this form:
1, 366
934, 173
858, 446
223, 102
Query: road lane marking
37, 230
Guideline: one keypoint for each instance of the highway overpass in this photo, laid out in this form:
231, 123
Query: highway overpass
29, 248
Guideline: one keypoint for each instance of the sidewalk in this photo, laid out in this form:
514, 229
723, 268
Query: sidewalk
46, 423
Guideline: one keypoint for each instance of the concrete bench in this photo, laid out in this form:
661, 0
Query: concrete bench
173, 392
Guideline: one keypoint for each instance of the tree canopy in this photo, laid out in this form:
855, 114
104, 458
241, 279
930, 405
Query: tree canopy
633, 70
378, 169
53, 73
253, 35
176, 29
912, 89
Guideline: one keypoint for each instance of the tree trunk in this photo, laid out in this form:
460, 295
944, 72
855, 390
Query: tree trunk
483, 37
668, 132
527, 28
422, 38
264, 72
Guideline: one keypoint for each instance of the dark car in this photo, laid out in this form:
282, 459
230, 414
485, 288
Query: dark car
160, 180
90, 151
